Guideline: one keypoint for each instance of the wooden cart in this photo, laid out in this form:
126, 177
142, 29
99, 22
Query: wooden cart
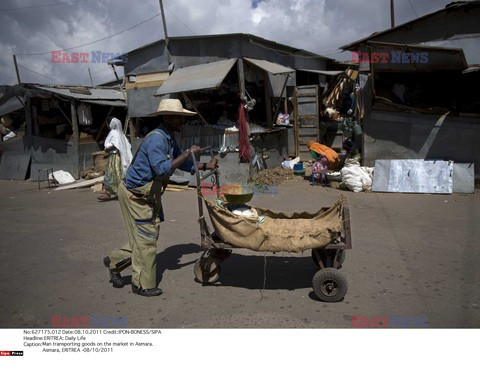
329, 284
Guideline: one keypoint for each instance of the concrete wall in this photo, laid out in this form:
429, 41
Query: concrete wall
395, 135
49, 153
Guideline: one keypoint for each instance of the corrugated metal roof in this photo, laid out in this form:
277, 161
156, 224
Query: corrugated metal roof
434, 58
321, 72
202, 76
459, 5
467, 42
257, 129
107, 102
273, 68
251, 37
10, 106
84, 93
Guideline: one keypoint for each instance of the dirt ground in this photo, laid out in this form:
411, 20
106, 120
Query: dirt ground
412, 255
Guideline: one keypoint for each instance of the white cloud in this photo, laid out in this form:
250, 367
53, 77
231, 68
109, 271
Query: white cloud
320, 26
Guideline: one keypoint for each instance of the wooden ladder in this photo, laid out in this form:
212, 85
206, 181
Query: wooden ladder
306, 119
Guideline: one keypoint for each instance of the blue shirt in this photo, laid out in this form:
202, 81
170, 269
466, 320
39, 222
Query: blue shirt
154, 158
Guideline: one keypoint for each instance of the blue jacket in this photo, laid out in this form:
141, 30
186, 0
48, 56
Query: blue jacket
154, 158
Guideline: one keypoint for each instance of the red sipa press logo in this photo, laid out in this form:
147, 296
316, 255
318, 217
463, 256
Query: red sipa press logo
394, 321
10, 353
93, 321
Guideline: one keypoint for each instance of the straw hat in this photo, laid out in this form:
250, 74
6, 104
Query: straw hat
170, 106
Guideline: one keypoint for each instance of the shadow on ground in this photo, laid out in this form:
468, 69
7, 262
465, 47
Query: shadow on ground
270, 272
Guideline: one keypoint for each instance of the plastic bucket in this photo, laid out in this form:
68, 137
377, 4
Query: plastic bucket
298, 167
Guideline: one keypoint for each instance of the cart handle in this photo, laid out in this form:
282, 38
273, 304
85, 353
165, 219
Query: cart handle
201, 178
206, 149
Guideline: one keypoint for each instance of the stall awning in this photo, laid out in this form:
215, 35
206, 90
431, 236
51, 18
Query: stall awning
11, 105
322, 72
122, 104
273, 68
83, 93
202, 76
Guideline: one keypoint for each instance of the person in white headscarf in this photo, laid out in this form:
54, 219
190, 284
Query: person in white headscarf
119, 159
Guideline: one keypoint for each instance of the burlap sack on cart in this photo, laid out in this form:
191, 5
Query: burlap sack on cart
289, 232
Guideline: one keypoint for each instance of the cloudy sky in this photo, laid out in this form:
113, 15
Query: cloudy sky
31, 29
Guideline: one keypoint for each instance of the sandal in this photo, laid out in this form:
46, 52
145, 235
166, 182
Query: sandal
106, 197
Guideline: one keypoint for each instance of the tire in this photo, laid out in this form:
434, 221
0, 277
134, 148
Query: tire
207, 270
323, 257
329, 285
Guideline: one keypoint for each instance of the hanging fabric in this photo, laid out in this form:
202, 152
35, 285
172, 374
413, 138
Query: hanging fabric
84, 114
243, 142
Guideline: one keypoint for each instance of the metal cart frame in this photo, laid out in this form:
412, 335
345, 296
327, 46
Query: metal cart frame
329, 284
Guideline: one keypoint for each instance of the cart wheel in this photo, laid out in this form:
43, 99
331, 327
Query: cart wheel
322, 253
329, 285
207, 270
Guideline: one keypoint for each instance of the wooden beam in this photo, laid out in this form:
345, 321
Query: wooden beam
66, 117
81, 184
76, 132
198, 113
28, 117
137, 125
295, 121
372, 72
36, 127
104, 123
130, 128
241, 87
268, 103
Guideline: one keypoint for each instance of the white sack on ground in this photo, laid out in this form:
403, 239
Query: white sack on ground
288, 164
355, 177
62, 177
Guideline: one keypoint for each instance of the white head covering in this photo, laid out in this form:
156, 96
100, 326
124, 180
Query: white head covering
117, 139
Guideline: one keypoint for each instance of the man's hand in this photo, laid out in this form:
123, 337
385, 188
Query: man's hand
195, 149
212, 164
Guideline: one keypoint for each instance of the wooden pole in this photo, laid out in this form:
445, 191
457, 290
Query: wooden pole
165, 33
268, 103
90, 74
372, 73
392, 14
295, 122
104, 124
16, 69
73, 110
241, 87
185, 96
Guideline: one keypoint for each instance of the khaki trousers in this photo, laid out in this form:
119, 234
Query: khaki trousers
141, 216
